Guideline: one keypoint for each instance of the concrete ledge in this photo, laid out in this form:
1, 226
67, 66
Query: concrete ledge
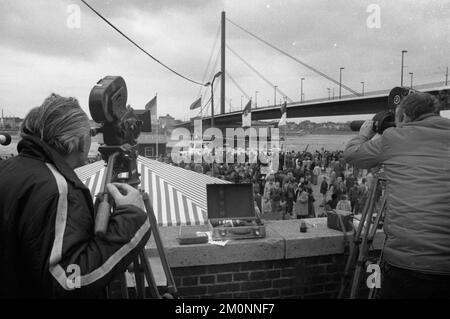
283, 241
270, 247
318, 240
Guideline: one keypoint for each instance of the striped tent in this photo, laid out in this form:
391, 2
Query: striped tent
178, 195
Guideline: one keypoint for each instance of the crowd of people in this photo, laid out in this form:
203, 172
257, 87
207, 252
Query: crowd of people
288, 192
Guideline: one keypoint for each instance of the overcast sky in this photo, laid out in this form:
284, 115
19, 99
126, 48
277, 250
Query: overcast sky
40, 53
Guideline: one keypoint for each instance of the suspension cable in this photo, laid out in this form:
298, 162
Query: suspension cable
295, 59
213, 70
237, 85
209, 61
259, 74
139, 47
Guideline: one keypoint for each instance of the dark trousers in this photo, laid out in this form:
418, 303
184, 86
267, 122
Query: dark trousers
353, 205
399, 283
289, 205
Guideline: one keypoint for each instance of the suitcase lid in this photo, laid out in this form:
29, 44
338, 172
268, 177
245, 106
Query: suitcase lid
230, 201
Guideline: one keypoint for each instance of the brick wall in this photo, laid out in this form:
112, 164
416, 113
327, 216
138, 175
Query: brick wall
312, 277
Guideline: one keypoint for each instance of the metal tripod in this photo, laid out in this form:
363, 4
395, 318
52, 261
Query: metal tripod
123, 160
363, 237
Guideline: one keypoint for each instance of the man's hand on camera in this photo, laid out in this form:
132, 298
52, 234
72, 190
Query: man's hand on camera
124, 194
366, 130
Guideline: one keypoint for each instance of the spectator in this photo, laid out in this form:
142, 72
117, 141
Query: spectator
290, 195
276, 198
267, 207
301, 204
324, 190
332, 203
311, 200
354, 195
344, 204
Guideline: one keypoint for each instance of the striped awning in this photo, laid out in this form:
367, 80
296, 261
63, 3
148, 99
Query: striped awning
178, 195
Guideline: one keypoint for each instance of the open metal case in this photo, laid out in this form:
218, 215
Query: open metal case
231, 212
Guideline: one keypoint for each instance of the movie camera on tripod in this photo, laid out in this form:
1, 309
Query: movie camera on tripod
121, 127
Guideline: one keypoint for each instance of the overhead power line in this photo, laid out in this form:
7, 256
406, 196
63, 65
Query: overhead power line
259, 74
295, 59
139, 47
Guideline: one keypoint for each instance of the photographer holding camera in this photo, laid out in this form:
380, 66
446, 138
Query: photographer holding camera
416, 159
48, 247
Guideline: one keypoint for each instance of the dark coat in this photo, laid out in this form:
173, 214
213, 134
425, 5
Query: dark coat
417, 169
47, 230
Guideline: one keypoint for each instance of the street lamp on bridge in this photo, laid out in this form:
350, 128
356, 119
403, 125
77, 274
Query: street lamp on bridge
275, 95
362, 88
403, 54
212, 95
340, 81
329, 89
256, 99
412, 74
301, 90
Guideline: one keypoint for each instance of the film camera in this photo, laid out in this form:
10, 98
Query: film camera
121, 126
385, 119
120, 123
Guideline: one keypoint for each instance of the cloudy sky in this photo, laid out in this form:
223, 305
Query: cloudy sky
42, 50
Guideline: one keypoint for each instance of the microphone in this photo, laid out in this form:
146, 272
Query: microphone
5, 139
356, 125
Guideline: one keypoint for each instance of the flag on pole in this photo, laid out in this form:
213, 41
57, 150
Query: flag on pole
152, 106
247, 115
196, 104
283, 109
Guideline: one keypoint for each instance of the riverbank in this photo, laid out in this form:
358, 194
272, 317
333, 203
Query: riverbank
330, 142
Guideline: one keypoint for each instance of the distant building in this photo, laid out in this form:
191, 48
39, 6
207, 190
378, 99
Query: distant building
167, 123
149, 142
10, 122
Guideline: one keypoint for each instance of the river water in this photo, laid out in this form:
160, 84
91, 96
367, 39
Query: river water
313, 141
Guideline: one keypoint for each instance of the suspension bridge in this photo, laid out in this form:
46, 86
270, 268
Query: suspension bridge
349, 103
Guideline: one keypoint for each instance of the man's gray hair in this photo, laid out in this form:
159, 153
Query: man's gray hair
419, 103
59, 121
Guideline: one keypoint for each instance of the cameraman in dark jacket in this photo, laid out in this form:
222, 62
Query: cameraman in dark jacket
416, 159
48, 248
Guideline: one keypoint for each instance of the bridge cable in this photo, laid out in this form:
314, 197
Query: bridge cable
259, 74
237, 85
139, 47
213, 71
295, 59
209, 61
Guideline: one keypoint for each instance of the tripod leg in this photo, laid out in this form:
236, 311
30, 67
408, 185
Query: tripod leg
149, 276
368, 231
372, 236
139, 277
346, 272
123, 286
368, 208
159, 245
